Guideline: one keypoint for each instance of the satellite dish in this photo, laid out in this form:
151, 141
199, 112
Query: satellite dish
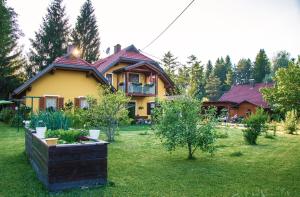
107, 51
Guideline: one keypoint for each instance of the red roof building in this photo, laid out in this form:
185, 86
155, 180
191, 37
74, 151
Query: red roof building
241, 100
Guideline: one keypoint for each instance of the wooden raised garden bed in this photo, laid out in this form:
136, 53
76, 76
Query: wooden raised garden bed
67, 166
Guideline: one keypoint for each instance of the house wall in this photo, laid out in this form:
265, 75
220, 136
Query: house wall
141, 102
242, 110
63, 83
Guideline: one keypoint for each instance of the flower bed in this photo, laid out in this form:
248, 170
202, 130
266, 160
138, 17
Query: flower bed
65, 166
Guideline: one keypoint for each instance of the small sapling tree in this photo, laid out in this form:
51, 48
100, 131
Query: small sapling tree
180, 123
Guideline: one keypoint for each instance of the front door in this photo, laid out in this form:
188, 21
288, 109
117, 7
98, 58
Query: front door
131, 109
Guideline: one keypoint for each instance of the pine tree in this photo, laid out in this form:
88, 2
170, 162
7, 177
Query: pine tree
10, 54
209, 69
212, 88
243, 71
52, 39
197, 81
85, 34
261, 66
220, 70
170, 64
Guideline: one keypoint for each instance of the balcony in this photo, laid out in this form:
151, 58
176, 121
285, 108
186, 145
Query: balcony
137, 89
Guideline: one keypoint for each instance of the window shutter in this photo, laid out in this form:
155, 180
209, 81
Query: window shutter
77, 102
60, 102
148, 108
42, 103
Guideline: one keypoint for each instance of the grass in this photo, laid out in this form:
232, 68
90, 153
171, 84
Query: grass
140, 166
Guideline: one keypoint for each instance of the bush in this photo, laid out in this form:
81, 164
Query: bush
6, 115
255, 125
291, 121
66, 136
54, 120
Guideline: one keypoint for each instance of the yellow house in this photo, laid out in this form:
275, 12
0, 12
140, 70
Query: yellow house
71, 79
67, 79
138, 76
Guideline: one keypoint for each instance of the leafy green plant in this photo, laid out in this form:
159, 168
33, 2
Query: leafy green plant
53, 120
291, 121
67, 136
180, 123
255, 125
7, 114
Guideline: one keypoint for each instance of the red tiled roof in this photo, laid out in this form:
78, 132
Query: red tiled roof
241, 93
68, 60
104, 63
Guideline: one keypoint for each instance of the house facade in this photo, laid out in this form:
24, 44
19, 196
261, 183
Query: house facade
138, 76
241, 100
71, 79
67, 79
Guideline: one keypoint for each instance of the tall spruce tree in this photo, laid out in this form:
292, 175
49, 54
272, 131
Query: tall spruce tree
261, 66
212, 88
10, 54
52, 38
85, 34
197, 81
170, 64
209, 69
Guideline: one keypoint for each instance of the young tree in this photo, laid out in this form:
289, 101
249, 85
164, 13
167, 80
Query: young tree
52, 39
197, 81
281, 60
284, 96
85, 34
243, 70
109, 111
212, 88
261, 66
10, 54
180, 123
170, 65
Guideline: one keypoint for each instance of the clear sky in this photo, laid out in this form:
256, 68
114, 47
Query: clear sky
208, 29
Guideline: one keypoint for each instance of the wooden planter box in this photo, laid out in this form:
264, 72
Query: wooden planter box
67, 166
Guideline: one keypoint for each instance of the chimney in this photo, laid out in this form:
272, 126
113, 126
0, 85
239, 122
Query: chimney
117, 48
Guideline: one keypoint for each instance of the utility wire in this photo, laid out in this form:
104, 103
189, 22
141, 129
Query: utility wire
169, 25
153, 56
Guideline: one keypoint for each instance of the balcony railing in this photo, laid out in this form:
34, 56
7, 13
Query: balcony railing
139, 89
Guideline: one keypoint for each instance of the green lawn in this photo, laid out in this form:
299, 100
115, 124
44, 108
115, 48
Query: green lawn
140, 166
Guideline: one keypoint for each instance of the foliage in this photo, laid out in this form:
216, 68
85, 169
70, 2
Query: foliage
6, 115
51, 40
212, 88
284, 96
197, 81
208, 70
170, 64
10, 54
53, 120
281, 60
85, 34
261, 66
243, 71
109, 112
13, 117
291, 121
66, 136
223, 134
179, 123
255, 125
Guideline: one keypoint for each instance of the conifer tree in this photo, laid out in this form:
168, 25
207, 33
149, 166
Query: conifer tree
212, 88
261, 66
10, 54
197, 81
243, 70
220, 70
209, 69
170, 64
85, 34
52, 38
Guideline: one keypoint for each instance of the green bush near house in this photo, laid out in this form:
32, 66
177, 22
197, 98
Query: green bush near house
255, 125
291, 121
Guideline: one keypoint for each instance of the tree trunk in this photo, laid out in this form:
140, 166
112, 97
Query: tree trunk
190, 151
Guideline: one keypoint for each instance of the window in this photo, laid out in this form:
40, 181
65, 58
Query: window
51, 103
150, 107
134, 78
84, 103
109, 77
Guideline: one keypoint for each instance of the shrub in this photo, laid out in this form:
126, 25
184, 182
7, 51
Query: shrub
291, 121
6, 115
255, 125
66, 136
54, 120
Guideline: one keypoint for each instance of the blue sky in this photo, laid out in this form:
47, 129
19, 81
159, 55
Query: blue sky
209, 29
